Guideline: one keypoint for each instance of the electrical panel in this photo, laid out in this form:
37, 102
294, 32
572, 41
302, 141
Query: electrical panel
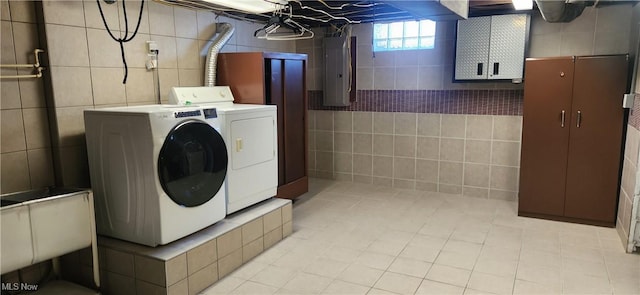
337, 71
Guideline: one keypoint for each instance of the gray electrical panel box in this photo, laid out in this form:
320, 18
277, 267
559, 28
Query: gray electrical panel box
337, 74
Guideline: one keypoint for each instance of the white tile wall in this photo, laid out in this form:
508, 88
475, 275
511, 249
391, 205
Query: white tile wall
26, 155
471, 155
80, 49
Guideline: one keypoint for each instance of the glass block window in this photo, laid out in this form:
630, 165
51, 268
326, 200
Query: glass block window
407, 35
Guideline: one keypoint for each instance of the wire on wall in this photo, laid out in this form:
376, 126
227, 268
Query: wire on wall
126, 37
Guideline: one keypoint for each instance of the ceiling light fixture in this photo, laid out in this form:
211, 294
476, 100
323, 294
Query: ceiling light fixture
252, 6
522, 4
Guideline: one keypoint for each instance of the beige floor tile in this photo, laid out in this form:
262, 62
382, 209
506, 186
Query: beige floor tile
542, 242
271, 255
421, 253
624, 272
541, 258
254, 288
398, 283
360, 274
436, 288
356, 241
465, 260
490, 283
326, 267
629, 286
582, 240
342, 254
462, 247
497, 252
274, 276
224, 286
506, 241
375, 291
522, 287
386, 247
396, 236
382, 240
341, 287
297, 260
499, 267
411, 267
449, 275
427, 241
288, 292
248, 270
307, 283
584, 284
437, 230
546, 276
469, 291
583, 253
574, 266
375, 260
612, 245
468, 236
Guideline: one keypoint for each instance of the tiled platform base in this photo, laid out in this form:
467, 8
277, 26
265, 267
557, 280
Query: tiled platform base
191, 264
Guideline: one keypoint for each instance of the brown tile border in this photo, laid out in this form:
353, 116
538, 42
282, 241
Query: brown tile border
471, 102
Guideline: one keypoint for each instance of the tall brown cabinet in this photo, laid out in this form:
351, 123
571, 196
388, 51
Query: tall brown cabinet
572, 132
277, 79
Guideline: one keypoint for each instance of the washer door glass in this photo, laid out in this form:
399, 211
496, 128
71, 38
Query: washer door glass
192, 164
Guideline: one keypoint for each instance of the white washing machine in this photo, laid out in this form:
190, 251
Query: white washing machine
250, 132
157, 171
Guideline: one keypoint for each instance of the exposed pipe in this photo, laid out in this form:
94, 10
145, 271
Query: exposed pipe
222, 35
555, 11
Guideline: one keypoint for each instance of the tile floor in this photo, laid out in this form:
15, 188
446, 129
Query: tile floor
362, 239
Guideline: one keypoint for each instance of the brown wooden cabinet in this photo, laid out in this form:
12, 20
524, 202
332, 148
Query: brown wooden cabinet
277, 79
572, 133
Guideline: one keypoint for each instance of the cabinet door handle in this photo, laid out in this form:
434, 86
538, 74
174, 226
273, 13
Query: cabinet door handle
562, 115
496, 68
579, 119
479, 71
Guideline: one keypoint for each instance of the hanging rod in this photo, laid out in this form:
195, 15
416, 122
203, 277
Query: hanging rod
35, 66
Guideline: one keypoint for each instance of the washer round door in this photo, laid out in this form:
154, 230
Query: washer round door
192, 164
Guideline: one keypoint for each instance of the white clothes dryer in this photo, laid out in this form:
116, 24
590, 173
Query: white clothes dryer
157, 171
250, 131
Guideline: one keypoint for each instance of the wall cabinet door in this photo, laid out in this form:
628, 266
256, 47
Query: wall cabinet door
472, 48
507, 48
491, 47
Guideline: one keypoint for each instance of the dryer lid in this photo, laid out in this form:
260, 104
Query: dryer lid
200, 95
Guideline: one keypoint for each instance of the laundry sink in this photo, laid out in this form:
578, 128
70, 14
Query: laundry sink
42, 224
4, 202
33, 195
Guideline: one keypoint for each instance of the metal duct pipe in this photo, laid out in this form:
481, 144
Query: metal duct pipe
222, 35
555, 11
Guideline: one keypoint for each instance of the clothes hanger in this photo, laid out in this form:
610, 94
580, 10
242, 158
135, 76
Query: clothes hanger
283, 28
